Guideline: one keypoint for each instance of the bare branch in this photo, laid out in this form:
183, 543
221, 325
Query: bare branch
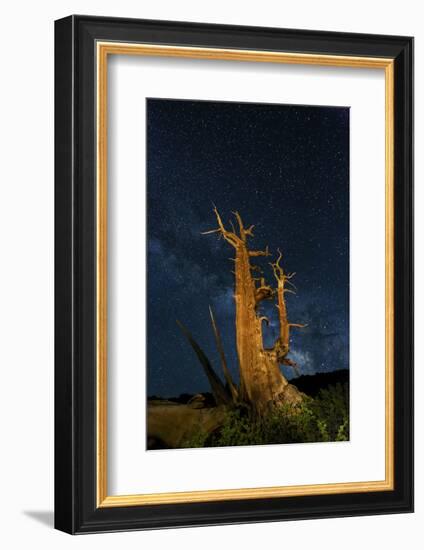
232, 227
218, 389
218, 340
281, 277
243, 232
292, 284
280, 256
241, 226
289, 291
255, 253
249, 231
264, 318
298, 325
278, 270
230, 237
211, 231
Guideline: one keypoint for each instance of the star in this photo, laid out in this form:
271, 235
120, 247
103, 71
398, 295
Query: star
285, 168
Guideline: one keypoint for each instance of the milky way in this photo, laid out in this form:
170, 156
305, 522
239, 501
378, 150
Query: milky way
285, 168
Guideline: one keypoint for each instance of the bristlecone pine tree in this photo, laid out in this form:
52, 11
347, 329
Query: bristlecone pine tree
261, 382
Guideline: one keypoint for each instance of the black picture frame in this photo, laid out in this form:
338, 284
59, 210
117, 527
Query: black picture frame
76, 509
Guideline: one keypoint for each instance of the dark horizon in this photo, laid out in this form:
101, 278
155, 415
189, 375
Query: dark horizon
285, 168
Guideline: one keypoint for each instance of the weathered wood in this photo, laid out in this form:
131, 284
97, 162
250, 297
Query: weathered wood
232, 387
218, 389
261, 380
171, 424
282, 345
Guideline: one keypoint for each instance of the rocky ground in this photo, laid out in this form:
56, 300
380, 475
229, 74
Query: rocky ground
169, 423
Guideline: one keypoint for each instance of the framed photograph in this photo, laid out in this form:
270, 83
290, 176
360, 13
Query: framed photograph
233, 274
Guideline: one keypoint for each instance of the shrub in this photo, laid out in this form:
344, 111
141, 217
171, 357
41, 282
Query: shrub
325, 418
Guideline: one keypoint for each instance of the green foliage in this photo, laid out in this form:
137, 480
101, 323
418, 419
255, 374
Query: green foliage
332, 406
325, 418
343, 431
196, 441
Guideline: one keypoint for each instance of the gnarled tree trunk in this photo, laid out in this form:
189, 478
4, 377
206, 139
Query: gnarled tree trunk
261, 380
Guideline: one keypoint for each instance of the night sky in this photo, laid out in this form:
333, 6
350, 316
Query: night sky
285, 168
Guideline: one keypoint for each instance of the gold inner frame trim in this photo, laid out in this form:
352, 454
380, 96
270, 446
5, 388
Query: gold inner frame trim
103, 50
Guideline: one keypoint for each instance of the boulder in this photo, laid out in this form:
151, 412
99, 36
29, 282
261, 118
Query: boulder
170, 424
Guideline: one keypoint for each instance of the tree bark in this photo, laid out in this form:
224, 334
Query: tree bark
261, 380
